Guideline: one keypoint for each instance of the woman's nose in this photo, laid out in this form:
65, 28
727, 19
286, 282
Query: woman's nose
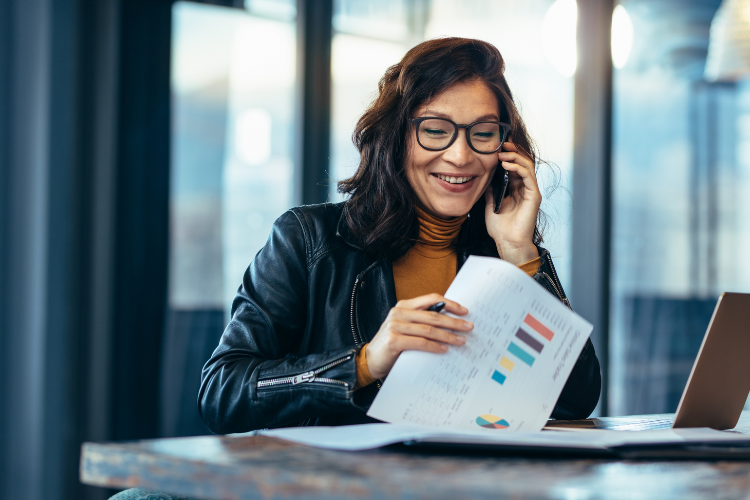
459, 153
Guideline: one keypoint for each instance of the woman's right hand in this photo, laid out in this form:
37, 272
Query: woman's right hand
409, 326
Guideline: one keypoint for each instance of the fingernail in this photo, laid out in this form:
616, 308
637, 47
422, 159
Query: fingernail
444, 347
461, 339
469, 324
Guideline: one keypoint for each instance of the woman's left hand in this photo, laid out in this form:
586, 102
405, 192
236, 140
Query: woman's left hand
513, 228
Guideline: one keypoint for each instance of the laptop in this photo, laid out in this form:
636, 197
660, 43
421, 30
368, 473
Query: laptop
719, 382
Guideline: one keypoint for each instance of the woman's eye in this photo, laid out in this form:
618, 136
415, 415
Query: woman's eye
434, 131
483, 136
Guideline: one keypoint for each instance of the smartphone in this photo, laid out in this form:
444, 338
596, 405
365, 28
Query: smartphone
499, 186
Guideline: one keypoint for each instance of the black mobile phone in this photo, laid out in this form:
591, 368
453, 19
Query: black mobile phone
499, 186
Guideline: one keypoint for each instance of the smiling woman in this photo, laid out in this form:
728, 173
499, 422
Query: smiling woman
340, 291
445, 173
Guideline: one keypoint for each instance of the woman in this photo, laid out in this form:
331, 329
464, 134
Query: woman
339, 291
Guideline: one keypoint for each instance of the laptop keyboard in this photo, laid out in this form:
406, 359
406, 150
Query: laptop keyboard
612, 423
641, 425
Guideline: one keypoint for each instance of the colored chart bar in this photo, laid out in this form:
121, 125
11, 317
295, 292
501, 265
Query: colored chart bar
538, 327
507, 364
498, 377
521, 354
529, 340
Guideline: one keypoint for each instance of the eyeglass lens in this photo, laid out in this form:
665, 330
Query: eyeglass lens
437, 134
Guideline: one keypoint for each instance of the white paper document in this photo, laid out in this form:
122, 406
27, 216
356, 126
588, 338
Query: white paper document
368, 436
510, 372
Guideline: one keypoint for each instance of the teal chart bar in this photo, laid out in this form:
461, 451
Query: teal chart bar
498, 377
521, 354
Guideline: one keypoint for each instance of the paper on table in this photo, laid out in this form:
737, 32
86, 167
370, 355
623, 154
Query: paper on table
368, 436
512, 368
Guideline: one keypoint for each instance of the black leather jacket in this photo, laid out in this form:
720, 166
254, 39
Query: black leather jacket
309, 300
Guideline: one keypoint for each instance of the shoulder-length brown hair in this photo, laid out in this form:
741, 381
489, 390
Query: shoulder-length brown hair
381, 209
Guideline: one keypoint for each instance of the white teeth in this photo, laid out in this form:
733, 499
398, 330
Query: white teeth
454, 180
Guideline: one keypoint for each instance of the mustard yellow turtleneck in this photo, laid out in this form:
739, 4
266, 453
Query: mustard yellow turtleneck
428, 267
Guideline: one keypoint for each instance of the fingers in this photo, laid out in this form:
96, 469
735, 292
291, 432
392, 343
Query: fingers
430, 318
518, 163
410, 327
512, 155
509, 146
408, 343
425, 301
526, 176
427, 332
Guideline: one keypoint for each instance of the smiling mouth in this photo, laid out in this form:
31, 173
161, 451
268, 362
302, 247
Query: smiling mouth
453, 180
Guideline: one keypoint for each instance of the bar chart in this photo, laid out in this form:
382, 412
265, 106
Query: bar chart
534, 335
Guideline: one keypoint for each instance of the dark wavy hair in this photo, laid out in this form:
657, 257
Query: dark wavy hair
381, 211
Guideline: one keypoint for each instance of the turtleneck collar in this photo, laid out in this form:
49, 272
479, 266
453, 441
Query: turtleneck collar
436, 235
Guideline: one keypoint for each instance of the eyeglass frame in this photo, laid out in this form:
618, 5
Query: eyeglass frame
417, 122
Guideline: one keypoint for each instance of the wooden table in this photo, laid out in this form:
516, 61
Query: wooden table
262, 467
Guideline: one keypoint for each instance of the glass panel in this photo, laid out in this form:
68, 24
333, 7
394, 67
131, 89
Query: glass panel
681, 168
282, 10
201, 60
231, 174
382, 19
542, 87
232, 146
357, 63
260, 142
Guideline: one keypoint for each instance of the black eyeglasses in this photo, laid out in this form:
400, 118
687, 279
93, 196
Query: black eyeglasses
437, 134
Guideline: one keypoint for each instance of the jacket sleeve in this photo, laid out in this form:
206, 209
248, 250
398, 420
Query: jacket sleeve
580, 394
253, 380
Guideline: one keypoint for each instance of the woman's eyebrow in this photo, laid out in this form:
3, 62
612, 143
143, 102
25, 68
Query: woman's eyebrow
438, 114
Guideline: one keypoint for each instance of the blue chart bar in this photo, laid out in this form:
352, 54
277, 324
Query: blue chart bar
529, 340
498, 377
521, 354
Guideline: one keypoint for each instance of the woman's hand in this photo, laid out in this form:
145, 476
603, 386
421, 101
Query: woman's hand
409, 327
513, 228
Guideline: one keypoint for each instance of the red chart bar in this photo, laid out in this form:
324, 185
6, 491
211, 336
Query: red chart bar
539, 327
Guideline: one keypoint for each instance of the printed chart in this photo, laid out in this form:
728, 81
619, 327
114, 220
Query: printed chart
492, 422
534, 336
512, 368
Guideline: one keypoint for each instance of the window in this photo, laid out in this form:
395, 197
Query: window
232, 175
232, 146
681, 168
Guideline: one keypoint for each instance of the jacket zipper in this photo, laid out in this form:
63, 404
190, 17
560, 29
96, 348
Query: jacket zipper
311, 376
357, 339
556, 284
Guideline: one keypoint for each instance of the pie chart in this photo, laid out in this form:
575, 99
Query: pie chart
492, 422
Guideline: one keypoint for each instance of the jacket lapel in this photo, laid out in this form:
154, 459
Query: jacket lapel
374, 291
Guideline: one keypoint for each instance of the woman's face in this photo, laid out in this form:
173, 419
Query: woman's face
430, 172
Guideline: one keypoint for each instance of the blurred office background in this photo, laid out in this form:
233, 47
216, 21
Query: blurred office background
146, 147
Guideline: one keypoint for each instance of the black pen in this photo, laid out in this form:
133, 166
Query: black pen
436, 307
